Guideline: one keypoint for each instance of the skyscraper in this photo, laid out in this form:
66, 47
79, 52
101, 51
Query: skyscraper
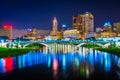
8, 31
84, 23
54, 27
88, 22
78, 23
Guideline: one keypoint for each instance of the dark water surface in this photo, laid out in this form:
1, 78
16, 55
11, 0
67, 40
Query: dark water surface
87, 64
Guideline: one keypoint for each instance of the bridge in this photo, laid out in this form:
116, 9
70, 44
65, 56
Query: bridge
102, 45
49, 43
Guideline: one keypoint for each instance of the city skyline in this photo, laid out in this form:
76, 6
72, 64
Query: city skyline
25, 14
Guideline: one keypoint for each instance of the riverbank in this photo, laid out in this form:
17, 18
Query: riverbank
111, 49
11, 52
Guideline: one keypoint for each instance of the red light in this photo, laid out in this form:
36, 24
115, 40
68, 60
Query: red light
7, 26
8, 64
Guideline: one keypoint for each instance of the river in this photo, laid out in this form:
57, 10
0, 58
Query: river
65, 64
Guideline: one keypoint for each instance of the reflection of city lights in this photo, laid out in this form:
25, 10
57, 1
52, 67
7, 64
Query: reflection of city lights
83, 71
2, 64
55, 64
77, 62
8, 64
87, 72
85, 65
49, 62
55, 67
107, 63
119, 63
64, 62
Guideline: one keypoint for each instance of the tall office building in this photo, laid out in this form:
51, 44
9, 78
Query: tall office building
88, 22
54, 27
8, 31
84, 23
117, 28
78, 23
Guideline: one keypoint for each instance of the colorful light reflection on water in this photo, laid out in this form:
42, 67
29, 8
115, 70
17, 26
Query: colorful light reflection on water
83, 63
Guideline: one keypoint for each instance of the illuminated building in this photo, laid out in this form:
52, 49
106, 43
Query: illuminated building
8, 31
117, 28
99, 30
84, 22
34, 31
1, 32
31, 34
88, 22
71, 34
107, 27
54, 27
78, 23
106, 32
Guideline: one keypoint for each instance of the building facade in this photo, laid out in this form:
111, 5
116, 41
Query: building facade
71, 34
8, 31
117, 28
31, 34
84, 23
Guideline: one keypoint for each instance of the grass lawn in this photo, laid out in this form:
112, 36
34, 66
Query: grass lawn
6, 52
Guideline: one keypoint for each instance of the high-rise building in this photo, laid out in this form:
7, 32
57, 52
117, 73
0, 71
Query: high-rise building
78, 23
88, 22
117, 28
8, 31
84, 22
54, 27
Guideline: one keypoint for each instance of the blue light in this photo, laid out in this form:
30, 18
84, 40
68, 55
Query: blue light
63, 25
107, 24
29, 30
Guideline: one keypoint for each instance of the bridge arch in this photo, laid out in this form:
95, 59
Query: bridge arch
103, 46
106, 45
36, 43
79, 45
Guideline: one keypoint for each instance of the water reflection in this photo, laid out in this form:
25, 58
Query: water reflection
6, 65
82, 61
55, 68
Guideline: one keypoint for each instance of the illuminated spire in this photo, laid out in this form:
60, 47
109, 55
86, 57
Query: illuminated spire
55, 22
54, 27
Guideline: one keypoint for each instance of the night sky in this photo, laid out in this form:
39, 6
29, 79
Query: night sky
23, 14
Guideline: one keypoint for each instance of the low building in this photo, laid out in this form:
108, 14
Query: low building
72, 34
108, 34
51, 37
